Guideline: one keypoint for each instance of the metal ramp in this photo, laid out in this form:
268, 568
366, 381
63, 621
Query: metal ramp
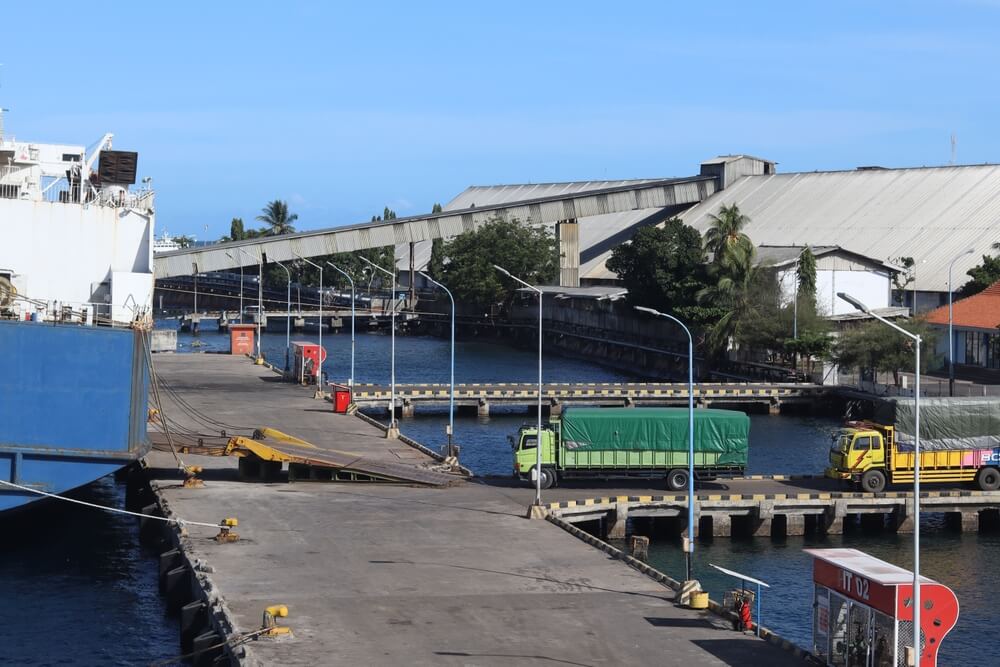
263, 455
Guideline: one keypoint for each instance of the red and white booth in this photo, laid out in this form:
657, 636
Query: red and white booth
863, 615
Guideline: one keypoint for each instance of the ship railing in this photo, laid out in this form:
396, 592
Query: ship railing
89, 313
14, 181
60, 190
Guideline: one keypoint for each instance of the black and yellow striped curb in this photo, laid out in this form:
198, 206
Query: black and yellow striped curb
757, 497
780, 478
675, 585
377, 392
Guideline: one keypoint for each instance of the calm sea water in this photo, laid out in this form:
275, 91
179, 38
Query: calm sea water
79, 591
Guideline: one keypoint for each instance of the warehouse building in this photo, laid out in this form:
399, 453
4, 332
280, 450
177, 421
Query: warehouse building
930, 214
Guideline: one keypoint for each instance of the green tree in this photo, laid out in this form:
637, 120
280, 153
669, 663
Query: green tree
747, 296
806, 275
435, 266
436, 208
184, 241
277, 218
810, 345
664, 268
981, 276
901, 280
725, 239
236, 232
872, 346
530, 253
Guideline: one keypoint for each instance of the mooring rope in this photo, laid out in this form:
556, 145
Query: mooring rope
232, 642
179, 522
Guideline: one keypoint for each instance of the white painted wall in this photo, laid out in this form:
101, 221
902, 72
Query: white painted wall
65, 251
870, 287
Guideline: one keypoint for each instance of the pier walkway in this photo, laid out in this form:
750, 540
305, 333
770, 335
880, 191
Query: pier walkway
406, 575
555, 395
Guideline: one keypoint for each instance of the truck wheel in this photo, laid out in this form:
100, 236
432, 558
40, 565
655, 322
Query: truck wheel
548, 478
988, 479
873, 481
677, 479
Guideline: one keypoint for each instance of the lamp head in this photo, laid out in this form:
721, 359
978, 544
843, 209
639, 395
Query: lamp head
502, 270
854, 302
644, 309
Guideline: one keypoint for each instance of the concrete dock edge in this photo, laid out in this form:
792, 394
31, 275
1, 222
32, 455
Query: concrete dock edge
662, 578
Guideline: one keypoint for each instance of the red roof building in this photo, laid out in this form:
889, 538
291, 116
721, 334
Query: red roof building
976, 324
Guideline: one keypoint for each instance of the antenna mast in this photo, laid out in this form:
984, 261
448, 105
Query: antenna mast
954, 144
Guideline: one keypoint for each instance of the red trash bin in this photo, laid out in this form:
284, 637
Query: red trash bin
341, 399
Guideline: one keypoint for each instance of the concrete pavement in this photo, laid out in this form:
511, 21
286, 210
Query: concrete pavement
393, 575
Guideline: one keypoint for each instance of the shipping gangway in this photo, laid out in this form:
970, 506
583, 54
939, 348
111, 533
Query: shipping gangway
263, 455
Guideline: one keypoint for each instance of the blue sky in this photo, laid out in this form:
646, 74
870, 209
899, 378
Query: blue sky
342, 109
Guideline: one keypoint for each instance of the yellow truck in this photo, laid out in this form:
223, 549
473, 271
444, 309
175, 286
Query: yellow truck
867, 454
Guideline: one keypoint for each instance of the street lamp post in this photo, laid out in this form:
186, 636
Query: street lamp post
260, 300
230, 256
689, 552
393, 429
451, 394
319, 379
538, 436
288, 316
916, 463
951, 339
350, 381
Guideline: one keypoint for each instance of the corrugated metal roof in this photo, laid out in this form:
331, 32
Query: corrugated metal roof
491, 195
580, 203
598, 233
931, 214
777, 255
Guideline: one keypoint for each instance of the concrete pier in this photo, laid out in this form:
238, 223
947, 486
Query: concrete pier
389, 574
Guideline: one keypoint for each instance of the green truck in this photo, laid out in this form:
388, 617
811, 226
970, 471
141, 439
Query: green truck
608, 443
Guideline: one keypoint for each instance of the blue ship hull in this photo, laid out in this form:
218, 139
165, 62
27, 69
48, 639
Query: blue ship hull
72, 406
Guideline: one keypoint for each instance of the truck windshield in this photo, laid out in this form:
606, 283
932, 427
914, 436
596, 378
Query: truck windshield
528, 442
841, 442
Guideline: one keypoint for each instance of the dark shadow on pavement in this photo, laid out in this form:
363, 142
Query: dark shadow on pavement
660, 622
511, 656
746, 652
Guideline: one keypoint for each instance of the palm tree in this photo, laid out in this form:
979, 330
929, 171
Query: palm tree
726, 240
275, 215
733, 293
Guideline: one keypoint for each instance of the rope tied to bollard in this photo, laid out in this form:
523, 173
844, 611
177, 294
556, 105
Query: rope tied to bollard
178, 522
232, 642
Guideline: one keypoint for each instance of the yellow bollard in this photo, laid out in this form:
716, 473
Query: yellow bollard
699, 600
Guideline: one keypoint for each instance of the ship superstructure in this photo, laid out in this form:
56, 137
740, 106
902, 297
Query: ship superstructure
75, 235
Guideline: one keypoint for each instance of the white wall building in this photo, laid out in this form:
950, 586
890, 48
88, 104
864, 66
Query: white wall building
837, 270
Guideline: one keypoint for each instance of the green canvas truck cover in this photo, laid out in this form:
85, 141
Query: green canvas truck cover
957, 422
658, 429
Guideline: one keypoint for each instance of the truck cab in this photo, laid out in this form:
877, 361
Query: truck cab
858, 454
526, 454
